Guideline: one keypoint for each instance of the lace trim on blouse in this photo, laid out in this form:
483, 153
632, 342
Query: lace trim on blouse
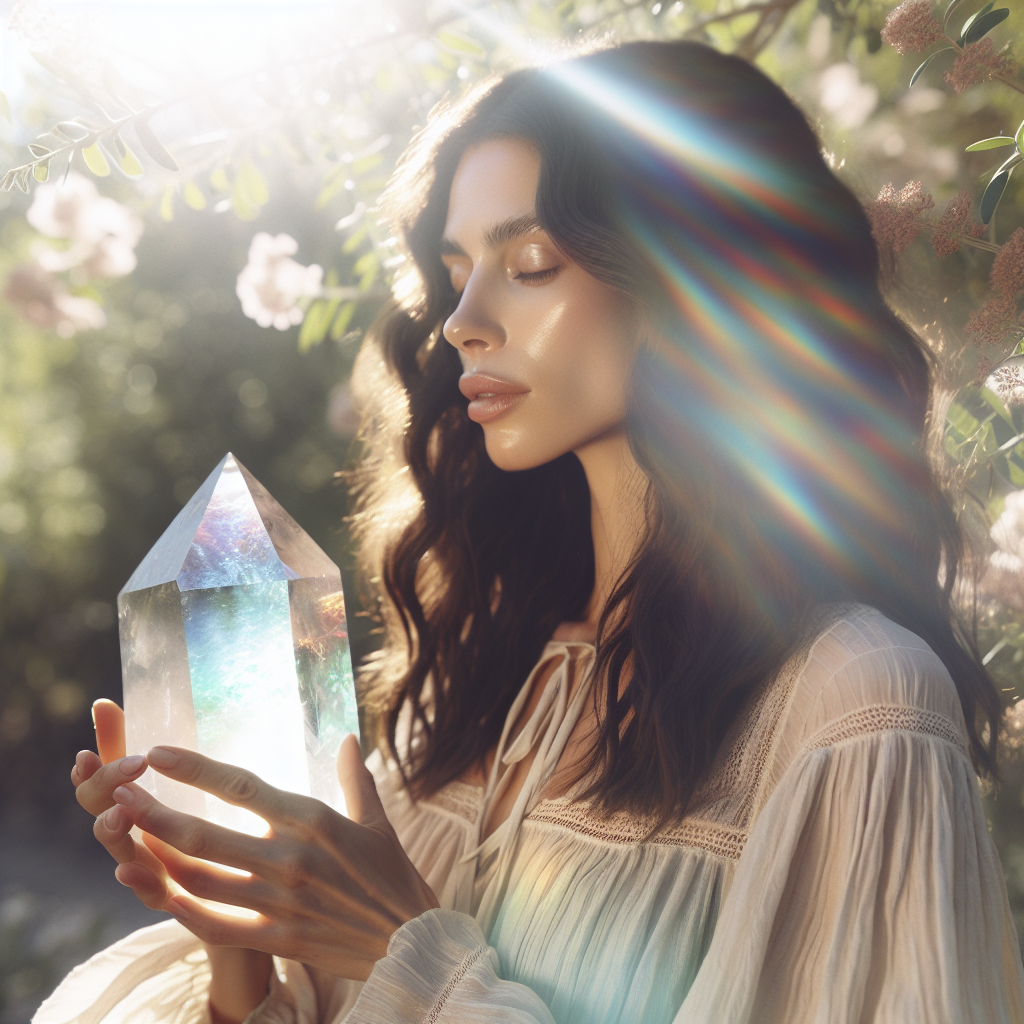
885, 718
459, 799
623, 829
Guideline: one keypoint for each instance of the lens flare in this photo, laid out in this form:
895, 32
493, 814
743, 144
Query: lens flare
777, 365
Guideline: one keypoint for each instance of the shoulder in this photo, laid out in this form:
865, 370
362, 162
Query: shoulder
864, 674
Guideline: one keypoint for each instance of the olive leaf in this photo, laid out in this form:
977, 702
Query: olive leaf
993, 143
970, 22
984, 24
151, 144
917, 74
995, 188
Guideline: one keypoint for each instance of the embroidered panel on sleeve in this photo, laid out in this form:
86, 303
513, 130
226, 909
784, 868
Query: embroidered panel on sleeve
885, 718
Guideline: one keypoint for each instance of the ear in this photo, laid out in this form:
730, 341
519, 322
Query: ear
361, 800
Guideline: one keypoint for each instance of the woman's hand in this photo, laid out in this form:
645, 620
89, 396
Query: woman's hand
239, 976
328, 891
96, 776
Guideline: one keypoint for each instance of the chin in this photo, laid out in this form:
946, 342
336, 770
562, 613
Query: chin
515, 458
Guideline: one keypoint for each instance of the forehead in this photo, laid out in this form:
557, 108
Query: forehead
495, 180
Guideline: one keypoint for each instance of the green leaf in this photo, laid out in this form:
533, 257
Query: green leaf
130, 163
355, 240
95, 160
917, 74
366, 163
994, 143
949, 11
219, 180
985, 24
996, 403
249, 178
69, 131
460, 44
1016, 473
365, 268
242, 204
965, 424
316, 323
1019, 137
167, 204
994, 190
41, 171
193, 196
340, 326
971, 20
151, 144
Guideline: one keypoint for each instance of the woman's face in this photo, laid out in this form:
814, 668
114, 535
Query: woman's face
545, 348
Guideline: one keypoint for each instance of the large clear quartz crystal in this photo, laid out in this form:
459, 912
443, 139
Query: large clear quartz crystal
234, 643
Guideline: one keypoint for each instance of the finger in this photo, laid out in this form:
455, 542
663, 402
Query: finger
108, 720
150, 889
357, 783
96, 793
232, 784
191, 835
113, 829
86, 764
209, 882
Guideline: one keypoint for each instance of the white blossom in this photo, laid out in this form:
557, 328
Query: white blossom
42, 300
271, 283
1008, 534
102, 233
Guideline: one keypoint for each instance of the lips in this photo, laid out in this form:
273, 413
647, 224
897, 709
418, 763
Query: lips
490, 397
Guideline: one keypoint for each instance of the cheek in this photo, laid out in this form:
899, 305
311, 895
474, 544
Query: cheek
586, 359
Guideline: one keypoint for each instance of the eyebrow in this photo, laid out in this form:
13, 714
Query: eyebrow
497, 234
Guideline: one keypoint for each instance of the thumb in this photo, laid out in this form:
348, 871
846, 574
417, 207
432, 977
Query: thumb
362, 803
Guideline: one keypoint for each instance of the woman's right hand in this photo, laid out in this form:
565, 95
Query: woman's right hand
239, 976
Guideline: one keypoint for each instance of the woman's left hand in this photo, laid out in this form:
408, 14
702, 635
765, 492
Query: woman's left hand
329, 891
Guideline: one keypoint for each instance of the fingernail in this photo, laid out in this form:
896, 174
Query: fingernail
162, 757
123, 795
130, 765
113, 818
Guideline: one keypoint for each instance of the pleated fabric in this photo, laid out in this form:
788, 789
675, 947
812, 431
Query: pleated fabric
835, 868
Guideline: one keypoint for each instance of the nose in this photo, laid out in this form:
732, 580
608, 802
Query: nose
473, 326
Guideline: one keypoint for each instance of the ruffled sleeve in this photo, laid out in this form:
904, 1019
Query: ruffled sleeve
869, 889
440, 968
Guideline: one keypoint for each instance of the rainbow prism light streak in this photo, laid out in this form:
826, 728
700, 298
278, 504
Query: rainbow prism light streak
234, 643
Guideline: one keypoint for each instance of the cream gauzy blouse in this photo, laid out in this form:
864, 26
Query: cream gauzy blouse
836, 869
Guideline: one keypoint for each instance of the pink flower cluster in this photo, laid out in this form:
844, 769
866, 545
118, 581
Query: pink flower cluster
912, 27
895, 215
978, 63
1006, 279
954, 224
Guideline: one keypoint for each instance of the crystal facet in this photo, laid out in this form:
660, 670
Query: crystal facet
234, 643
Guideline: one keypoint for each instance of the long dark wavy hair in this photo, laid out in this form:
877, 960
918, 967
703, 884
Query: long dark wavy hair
781, 416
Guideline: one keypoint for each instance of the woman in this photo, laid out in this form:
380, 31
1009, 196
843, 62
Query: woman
646, 486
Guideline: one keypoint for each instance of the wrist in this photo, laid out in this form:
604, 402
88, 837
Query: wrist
239, 981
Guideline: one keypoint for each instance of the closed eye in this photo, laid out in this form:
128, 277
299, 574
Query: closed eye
537, 276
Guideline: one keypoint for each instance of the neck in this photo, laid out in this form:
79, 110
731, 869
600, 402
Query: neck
617, 515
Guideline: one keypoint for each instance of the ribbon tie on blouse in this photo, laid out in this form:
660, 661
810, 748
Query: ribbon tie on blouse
478, 880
